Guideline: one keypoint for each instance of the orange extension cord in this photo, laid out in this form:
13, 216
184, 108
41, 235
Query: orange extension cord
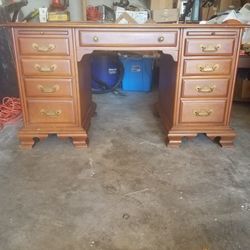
10, 111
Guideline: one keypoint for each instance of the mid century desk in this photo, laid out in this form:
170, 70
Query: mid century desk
198, 66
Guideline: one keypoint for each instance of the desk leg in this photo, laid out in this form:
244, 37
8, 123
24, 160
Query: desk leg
26, 142
28, 139
173, 141
225, 141
224, 138
80, 141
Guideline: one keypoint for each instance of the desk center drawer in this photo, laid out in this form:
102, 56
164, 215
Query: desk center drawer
46, 67
128, 38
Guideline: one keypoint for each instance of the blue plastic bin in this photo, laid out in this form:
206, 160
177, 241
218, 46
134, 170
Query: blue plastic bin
138, 71
104, 68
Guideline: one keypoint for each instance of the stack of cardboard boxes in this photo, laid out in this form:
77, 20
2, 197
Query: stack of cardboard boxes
169, 10
164, 11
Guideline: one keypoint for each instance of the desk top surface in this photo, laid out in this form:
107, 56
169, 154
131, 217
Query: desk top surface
121, 26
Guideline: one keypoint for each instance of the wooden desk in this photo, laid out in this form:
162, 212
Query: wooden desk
197, 75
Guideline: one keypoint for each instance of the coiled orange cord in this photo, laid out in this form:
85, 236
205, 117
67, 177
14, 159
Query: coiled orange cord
10, 110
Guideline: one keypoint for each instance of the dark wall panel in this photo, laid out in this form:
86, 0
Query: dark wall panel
8, 78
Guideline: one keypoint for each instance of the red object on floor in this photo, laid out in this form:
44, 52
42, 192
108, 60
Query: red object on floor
10, 111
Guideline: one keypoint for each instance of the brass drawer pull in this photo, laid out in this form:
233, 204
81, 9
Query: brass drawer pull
48, 89
51, 113
208, 68
203, 113
210, 48
48, 69
48, 48
95, 39
161, 39
205, 89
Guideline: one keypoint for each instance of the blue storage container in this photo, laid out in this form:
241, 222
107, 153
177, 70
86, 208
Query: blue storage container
138, 72
106, 71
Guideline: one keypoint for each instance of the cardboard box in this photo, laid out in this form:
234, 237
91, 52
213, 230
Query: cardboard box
125, 18
165, 15
245, 89
139, 17
242, 89
224, 4
161, 4
207, 13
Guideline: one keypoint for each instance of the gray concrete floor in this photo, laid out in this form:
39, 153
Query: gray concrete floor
127, 191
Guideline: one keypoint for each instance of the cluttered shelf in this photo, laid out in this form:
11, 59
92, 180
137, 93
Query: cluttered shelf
128, 11
163, 11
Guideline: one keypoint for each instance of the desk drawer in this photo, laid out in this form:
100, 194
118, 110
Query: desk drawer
120, 37
202, 111
207, 67
211, 32
44, 67
48, 87
205, 87
51, 111
44, 46
209, 46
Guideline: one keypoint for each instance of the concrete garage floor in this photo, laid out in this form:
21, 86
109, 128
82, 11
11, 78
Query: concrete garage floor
127, 191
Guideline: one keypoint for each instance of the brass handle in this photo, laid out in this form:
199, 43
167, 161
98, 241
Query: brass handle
95, 39
203, 113
208, 68
161, 39
40, 68
205, 89
51, 113
48, 48
48, 89
210, 48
